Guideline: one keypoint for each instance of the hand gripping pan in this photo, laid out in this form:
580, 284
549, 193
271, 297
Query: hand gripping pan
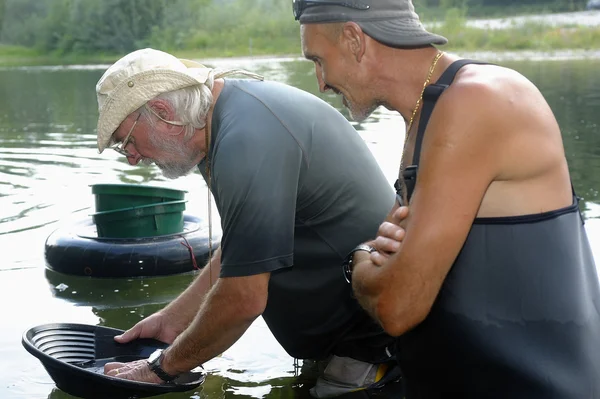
75, 354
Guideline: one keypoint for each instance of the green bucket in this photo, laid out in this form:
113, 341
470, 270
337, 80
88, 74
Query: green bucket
142, 221
119, 196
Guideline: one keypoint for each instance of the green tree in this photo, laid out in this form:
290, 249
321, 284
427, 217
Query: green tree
113, 25
19, 18
181, 21
2, 8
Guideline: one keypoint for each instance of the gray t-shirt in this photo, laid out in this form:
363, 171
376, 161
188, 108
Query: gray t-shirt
296, 189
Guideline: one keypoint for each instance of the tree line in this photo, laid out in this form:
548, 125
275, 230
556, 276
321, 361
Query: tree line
120, 26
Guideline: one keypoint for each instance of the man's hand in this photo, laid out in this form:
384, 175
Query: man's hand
135, 371
157, 326
389, 236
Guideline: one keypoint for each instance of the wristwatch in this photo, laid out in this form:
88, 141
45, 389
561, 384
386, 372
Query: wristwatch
154, 365
349, 260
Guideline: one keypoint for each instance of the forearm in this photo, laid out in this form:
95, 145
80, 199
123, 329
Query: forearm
223, 318
186, 305
396, 294
372, 274
365, 282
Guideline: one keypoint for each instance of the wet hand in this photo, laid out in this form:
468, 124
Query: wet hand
135, 371
155, 326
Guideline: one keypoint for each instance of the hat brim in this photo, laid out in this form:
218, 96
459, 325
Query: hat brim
397, 33
136, 91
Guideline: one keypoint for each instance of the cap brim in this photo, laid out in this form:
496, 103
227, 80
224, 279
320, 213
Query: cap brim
191, 64
397, 33
134, 92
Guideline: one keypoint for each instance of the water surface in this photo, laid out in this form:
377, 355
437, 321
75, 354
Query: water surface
48, 160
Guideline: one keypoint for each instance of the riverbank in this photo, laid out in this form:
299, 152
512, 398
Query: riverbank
490, 56
561, 36
241, 61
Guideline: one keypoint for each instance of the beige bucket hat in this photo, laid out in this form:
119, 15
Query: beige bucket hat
139, 77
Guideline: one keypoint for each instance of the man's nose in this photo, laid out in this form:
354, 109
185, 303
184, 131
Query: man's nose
322, 85
134, 158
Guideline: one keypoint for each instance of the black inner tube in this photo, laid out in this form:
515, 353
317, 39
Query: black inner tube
76, 249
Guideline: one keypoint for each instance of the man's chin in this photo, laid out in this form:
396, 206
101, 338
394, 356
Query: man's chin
174, 172
357, 117
354, 115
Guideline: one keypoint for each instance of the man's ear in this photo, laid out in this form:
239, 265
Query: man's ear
354, 36
163, 109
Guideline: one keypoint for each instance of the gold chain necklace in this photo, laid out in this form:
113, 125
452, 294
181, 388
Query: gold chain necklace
412, 118
418, 104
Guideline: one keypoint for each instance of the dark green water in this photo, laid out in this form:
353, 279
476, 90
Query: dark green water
48, 160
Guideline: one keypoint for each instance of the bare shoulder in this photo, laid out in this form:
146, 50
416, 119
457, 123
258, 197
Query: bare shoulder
496, 103
496, 92
502, 94
501, 118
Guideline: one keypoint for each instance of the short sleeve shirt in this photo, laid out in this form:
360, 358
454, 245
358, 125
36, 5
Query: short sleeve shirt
296, 189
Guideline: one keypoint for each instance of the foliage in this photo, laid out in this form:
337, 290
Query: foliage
71, 29
17, 51
435, 9
531, 35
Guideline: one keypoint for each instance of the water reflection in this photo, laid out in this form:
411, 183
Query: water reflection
107, 293
573, 91
48, 161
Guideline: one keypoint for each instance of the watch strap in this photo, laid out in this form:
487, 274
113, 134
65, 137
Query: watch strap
349, 260
156, 368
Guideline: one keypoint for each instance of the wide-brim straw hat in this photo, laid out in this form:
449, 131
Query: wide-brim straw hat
137, 78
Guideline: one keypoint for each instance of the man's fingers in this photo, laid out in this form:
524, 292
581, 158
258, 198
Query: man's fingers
112, 368
378, 259
387, 245
127, 371
390, 236
400, 214
135, 371
390, 230
129, 335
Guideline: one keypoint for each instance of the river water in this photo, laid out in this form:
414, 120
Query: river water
48, 160
587, 18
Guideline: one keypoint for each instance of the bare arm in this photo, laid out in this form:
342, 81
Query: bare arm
459, 162
166, 324
186, 305
227, 312
492, 149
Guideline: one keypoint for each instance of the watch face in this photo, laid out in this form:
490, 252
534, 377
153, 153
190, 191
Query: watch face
155, 355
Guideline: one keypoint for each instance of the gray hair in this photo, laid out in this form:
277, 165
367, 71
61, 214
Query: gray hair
191, 105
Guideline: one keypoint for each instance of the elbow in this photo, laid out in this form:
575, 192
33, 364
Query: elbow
396, 319
247, 296
252, 307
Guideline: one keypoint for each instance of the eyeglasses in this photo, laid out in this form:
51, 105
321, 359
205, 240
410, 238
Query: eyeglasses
300, 5
121, 148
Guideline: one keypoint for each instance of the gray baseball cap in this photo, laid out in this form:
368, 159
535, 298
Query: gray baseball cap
391, 22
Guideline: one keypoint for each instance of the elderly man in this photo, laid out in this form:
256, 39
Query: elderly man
296, 189
493, 292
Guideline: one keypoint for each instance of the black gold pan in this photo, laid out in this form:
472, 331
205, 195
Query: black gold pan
74, 355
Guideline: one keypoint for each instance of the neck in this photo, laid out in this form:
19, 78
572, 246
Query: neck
202, 137
403, 75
